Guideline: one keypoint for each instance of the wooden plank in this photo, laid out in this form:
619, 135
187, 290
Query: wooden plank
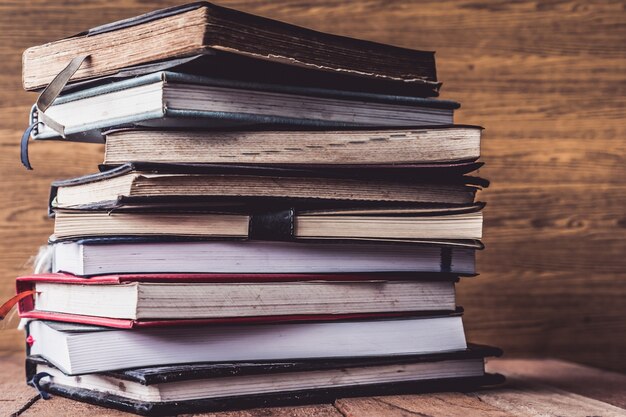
14, 393
323, 410
431, 405
11, 339
577, 311
554, 228
58, 406
524, 399
609, 387
538, 162
370, 407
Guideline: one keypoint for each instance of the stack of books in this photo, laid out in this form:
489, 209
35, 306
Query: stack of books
281, 217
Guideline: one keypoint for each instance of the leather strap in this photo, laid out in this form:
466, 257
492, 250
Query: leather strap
35, 383
44, 101
24, 144
52, 91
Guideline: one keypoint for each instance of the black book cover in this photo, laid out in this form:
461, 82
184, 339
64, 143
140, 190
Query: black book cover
165, 374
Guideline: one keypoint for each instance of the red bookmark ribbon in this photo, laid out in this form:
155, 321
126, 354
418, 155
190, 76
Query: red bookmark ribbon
8, 305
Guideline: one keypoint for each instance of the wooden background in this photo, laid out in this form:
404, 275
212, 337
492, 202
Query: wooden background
546, 78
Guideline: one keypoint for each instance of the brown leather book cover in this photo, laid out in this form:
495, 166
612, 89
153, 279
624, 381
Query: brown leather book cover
203, 28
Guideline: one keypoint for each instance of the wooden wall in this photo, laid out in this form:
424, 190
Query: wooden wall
546, 78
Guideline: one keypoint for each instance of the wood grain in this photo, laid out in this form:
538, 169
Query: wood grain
546, 78
608, 387
14, 393
532, 400
63, 407
532, 312
431, 405
325, 410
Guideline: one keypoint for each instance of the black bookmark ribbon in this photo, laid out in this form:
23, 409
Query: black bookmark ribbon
24, 144
45, 100
35, 383
446, 259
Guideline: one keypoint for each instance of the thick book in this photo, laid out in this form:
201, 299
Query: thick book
463, 223
202, 28
81, 349
145, 298
390, 146
175, 100
209, 387
215, 186
116, 255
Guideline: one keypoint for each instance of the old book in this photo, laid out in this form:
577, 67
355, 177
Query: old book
215, 296
390, 146
129, 185
117, 255
79, 349
235, 67
200, 28
376, 224
176, 100
203, 387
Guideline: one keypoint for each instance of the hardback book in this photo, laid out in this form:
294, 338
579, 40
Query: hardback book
166, 297
179, 185
174, 100
81, 349
464, 223
389, 146
202, 28
205, 387
117, 255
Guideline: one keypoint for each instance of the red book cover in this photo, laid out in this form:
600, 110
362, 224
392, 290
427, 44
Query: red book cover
26, 306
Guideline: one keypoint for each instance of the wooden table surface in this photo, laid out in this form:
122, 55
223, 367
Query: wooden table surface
550, 388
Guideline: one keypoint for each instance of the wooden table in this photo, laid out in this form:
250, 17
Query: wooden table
534, 388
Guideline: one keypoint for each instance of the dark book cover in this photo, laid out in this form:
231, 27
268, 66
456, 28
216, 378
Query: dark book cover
166, 374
